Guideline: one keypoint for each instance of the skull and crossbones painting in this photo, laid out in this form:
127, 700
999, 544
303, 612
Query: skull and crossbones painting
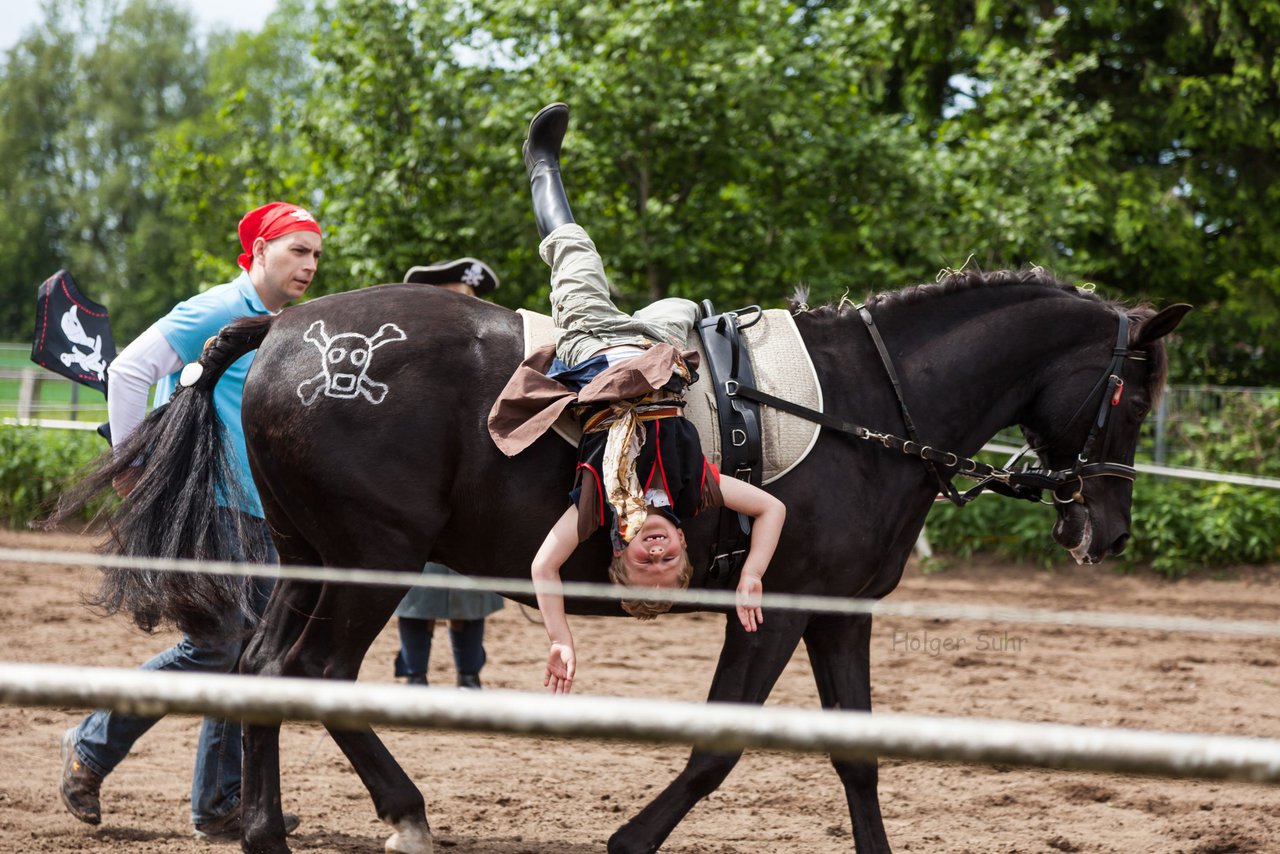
345, 360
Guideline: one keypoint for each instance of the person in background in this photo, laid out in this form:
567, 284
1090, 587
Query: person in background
281, 245
465, 610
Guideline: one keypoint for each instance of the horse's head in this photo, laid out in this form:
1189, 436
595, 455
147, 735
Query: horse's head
1089, 452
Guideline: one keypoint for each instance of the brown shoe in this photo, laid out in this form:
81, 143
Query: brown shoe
227, 828
79, 786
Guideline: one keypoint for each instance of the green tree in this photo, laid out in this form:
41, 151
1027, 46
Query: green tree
35, 93
728, 150
141, 70
243, 148
1184, 200
415, 165
83, 97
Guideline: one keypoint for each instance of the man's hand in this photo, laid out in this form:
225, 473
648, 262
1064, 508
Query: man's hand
749, 611
124, 482
560, 666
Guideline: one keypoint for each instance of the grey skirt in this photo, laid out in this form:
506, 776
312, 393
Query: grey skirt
434, 603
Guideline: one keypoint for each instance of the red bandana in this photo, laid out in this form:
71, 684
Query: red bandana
270, 221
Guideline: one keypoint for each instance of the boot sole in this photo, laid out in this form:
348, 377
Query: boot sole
556, 131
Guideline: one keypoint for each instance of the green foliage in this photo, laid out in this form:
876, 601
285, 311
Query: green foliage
36, 464
241, 150
994, 525
1183, 525
1017, 164
729, 150
417, 162
84, 97
1184, 201
1177, 525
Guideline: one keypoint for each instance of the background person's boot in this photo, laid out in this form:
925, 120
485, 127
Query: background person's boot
542, 158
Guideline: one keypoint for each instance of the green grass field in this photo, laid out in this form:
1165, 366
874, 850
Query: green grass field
59, 398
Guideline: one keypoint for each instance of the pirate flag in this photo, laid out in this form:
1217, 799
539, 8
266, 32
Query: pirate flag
73, 333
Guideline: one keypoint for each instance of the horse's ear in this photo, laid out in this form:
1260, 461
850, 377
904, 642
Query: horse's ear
1161, 325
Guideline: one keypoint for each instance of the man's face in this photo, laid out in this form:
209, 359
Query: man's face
288, 265
655, 557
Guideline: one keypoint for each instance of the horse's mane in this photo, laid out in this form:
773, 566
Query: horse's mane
964, 280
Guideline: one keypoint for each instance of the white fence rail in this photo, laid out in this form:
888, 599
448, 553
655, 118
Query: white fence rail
715, 599
30, 405
1175, 471
726, 727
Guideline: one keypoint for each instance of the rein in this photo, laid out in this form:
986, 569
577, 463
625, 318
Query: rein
1027, 482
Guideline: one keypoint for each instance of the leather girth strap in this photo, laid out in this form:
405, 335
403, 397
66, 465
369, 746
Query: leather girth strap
741, 455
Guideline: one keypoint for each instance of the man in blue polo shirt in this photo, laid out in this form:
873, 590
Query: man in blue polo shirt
281, 251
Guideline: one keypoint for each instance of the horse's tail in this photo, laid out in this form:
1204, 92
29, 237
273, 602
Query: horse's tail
180, 462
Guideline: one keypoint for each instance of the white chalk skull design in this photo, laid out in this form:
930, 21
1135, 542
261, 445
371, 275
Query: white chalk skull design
345, 360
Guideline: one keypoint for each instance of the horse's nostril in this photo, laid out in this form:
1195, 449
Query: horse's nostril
1118, 546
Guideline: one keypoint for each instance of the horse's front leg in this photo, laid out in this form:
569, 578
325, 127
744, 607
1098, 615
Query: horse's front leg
840, 651
750, 664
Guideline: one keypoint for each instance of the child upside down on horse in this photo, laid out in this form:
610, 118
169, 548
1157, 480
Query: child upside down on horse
641, 469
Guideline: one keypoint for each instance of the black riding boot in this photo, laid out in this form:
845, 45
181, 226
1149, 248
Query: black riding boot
542, 158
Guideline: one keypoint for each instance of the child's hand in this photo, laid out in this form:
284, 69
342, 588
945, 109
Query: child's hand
560, 666
749, 589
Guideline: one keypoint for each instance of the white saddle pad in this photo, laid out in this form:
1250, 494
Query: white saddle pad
782, 368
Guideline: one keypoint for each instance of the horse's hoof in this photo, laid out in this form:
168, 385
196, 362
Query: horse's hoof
252, 843
624, 841
411, 837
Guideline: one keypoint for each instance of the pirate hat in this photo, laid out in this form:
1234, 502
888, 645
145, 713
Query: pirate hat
464, 271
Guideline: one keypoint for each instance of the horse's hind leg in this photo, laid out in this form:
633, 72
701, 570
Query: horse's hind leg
262, 823
840, 651
749, 666
395, 797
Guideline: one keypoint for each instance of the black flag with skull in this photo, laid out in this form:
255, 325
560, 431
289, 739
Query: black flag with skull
73, 333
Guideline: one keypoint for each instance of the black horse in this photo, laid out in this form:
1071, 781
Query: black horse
381, 459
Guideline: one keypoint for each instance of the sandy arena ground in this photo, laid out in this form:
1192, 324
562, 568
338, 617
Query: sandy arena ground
510, 795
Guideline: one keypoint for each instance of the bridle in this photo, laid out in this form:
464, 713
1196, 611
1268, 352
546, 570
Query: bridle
1112, 385
1026, 482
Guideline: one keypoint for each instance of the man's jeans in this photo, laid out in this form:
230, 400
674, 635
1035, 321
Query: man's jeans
105, 737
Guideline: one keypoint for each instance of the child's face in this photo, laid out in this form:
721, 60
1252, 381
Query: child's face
655, 557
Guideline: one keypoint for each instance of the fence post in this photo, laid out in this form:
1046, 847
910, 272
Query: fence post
29, 393
1162, 415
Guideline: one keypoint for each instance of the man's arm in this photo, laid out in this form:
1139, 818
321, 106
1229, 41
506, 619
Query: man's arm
555, 550
130, 376
768, 514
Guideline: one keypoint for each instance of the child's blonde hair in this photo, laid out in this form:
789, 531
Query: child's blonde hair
647, 609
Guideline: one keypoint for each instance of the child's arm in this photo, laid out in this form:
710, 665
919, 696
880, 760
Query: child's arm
768, 514
555, 550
